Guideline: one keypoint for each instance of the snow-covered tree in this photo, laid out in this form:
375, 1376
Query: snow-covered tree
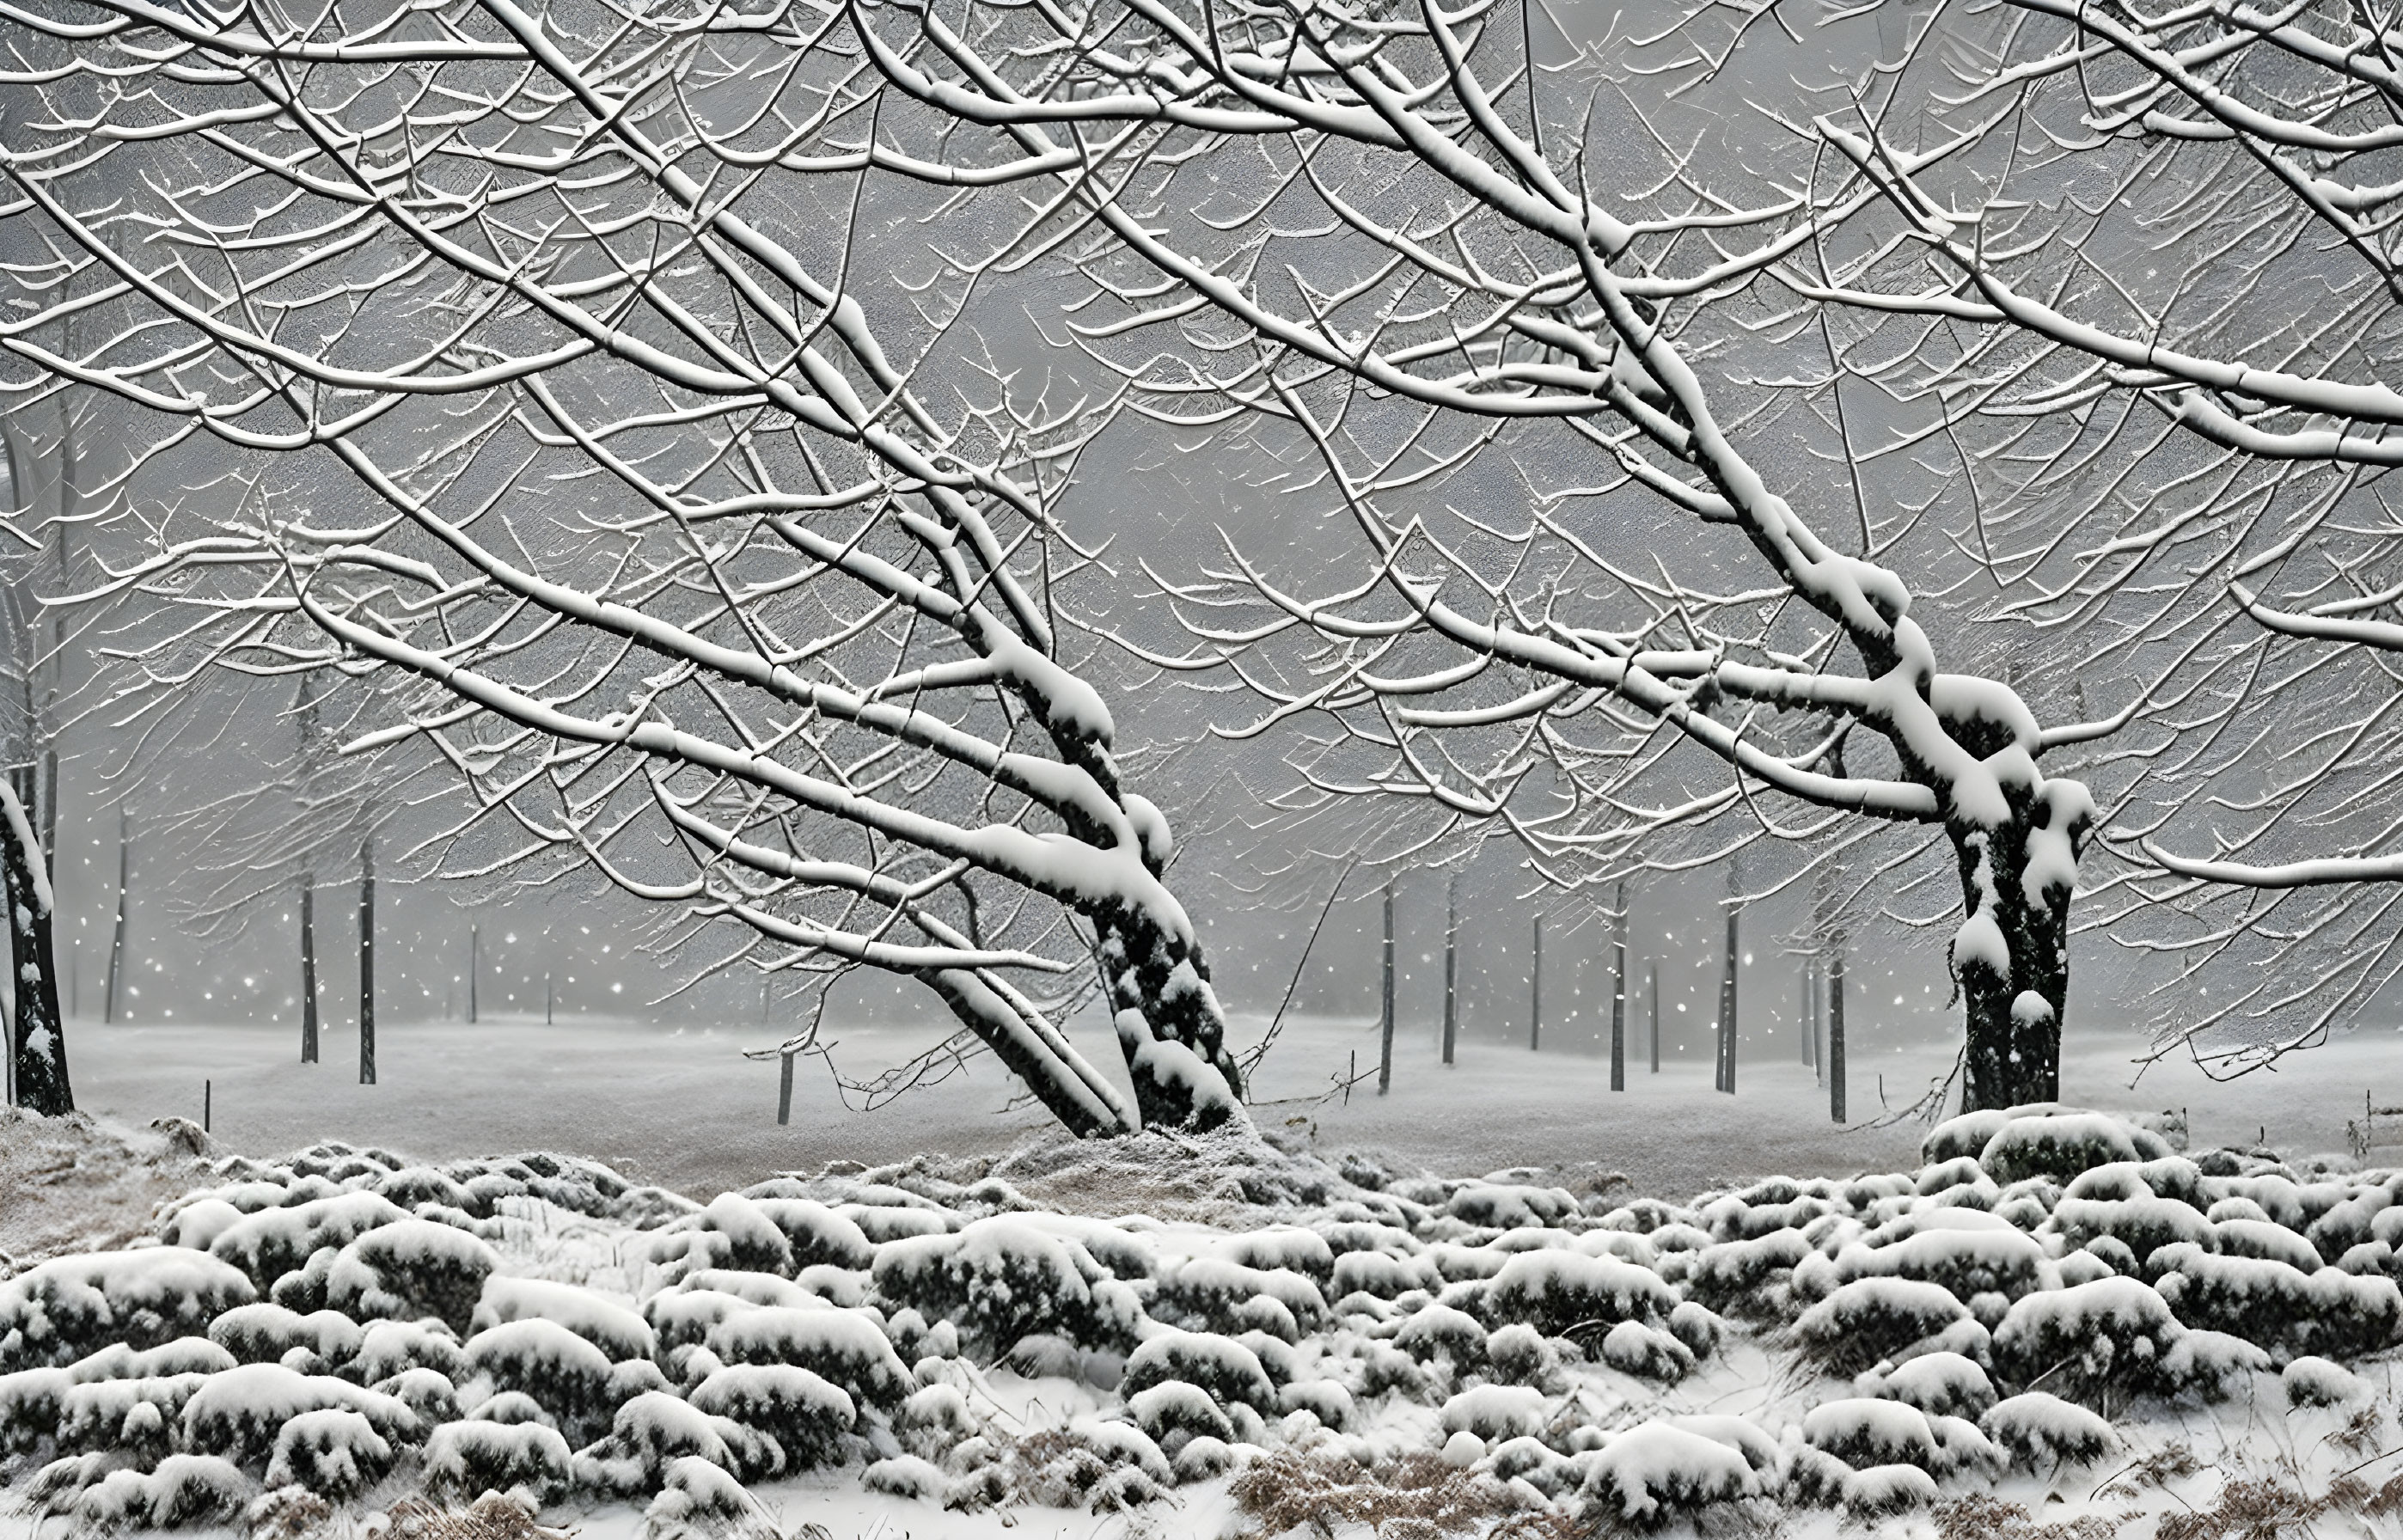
2132, 296
548, 358
1461, 318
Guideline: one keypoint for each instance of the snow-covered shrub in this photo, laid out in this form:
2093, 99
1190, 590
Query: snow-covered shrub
1655, 1473
273, 1241
55, 1311
806, 1416
695, 1496
1202, 1458
466, 1458
904, 1476
1519, 1354
2348, 1224
29, 1408
511, 1408
1494, 1413
655, 1429
183, 1491
1215, 1293
134, 1416
1864, 1431
1940, 1384
683, 1316
1228, 1370
614, 1328
2110, 1330
1554, 1291
1324, 1399
1632, 1347
565, 1375
1000, 1279
2143, 1224
2041, 1431
2312, 1381
333, 1452
1734, 1273
843, 1347
2210, 1365
395, 1347
1883, 1490
263, 1333
1380, 1275
1173, 1410
408, 1268
815, 1235
238, 1413
1289, 1247
2062, 1144
118, 1361
429, 1396
412, 1186
2327, 1310
1510, 1206
1874, 1318
1387, 1369
1965, 1251
731, 1233
1440, 1331
2266, 1240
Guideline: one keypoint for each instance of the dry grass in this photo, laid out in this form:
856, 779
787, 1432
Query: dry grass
72, 1186
1985, 1517
490, 1517
1418, 1497
2247, 1510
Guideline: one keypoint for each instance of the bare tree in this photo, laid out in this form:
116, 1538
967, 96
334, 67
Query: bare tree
534, 357
1471, 326
2130, 301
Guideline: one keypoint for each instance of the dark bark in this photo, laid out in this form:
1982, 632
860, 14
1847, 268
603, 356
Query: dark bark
1835, 1032
308, 968
37, 1041
1535, 992
2012, 1023
1728, 1005
1618, 995
116, 942
1450, 965
367, 962
1385, 1010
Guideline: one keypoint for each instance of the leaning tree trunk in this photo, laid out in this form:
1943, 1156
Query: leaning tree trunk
2012, 954
37, 1041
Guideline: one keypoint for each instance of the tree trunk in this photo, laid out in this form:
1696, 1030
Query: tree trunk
1728, 1005
1618, 994
1450, 964
1652, 989
1835, 1032
37, 1041
2012, 954
117, 943
367, 962
475, 962
1385, 1009
308, 968
1535, 992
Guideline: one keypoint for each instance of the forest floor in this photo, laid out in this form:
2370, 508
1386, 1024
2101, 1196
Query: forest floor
683, 1109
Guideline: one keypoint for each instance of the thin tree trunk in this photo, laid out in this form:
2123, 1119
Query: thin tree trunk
475, 959
1728, 1005
1385, 1010
1618, 993
1536, 993
117, 943
367, 962
37, 1043
308, 967
1450, 964
1652, 988
1835, 1032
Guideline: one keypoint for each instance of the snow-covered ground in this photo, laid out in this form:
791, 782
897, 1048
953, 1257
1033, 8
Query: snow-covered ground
683, 1109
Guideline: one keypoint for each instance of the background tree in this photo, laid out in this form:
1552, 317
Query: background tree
473, 357
1467, 328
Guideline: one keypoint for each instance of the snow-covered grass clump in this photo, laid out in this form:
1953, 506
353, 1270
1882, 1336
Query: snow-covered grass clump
2048, 1291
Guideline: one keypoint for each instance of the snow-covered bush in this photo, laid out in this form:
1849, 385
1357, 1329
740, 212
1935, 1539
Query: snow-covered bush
1440, 1331
654, 1429
463, 1460
729, 1233
1733, 1274
389, 1348
239, 1413
408, 1268
2113, 1330
616, 1330
2276, 1305
904, 1476
30, 1400
2061, 1144
273, 1241
2040, 1431
1381, 1274
565, 1375
1173, 1410
57, 1312
1940, 1384
2312, 1381
696, 1496
1494, 1413
815, 1235
333, 1452
1215, 1293
264, 1333
428, 1394
1654, 1473
1965, 1251
806, 1416
1000, 1279
1874, 1318
1554, 1291
1227, 1369
2143, 1223
133, 1417
2212, 1366
1632, 1347
1866, 1432
183, 1492
842, 1347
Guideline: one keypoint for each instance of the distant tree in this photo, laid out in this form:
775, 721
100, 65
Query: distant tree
532, 356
